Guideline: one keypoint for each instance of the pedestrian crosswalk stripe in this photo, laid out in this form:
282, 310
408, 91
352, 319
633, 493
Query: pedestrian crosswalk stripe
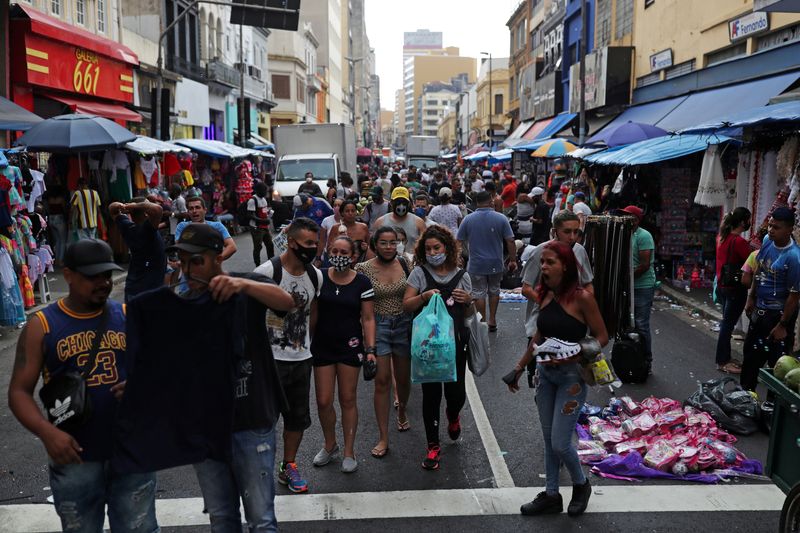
34, 518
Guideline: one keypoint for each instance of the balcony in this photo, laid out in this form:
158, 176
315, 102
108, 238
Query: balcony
221, 73
187, 68
255, 87
313, 83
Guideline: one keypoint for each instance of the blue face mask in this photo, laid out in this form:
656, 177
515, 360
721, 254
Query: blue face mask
420, 211
436, 260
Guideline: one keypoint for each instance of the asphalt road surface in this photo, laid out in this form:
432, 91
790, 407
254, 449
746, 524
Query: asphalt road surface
485, 476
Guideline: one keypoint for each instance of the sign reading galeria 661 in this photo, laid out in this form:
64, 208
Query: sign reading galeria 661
58, 65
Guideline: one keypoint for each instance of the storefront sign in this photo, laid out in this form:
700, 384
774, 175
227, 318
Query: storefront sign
748, 25
547, 95
661, 60
784, 6
608, 74
191, 103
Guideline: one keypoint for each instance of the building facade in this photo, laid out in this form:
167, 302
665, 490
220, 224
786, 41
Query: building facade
520, 56
492, 99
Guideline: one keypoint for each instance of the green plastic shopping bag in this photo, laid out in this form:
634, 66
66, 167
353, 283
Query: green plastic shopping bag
433, 344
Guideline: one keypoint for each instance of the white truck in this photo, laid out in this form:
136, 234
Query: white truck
326, 150
422, 150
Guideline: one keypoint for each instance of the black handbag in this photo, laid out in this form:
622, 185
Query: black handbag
731, 275
65, 396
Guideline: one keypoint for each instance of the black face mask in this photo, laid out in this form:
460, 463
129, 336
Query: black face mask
305, 255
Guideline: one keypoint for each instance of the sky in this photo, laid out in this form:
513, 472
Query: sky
474, 26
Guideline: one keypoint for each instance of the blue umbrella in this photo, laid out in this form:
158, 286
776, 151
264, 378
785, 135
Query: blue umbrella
629, 133
75, 133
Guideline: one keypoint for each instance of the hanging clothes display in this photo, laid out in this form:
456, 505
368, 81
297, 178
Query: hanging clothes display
149, 167
711, 190
608, 243
12, 311
118, 169
244, 182
38, 188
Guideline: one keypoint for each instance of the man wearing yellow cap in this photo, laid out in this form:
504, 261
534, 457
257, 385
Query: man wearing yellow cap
400, 217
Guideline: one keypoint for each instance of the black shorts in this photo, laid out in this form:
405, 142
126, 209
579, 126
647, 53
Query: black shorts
295, 378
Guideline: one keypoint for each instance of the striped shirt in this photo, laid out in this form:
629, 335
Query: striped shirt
86, 202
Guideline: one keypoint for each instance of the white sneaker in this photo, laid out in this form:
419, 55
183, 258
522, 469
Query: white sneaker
349, 465
324, 456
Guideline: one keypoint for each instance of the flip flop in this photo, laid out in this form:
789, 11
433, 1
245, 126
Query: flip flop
492, 328
379, 454
403, 426
730, 368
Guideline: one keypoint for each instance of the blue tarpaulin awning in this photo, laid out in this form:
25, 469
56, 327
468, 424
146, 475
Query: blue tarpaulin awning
655, 150
770, 114
708, 105
558, 123
529, 145
16, 118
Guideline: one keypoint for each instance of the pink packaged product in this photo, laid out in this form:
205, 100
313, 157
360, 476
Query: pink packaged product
644, 421
611, 437
629, 406
591, 452
669, 421
661, 456
598, 425
639, 445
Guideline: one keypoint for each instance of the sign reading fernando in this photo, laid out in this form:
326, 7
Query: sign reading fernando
748, 25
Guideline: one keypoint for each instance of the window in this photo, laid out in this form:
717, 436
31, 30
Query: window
649, 79
301, 91
55, 7
603, 14
779, 38
726, 53
648, 3
431, 112
624, 18
281, 86
679, 70
498, 104
512, 86
101, 16
80, 12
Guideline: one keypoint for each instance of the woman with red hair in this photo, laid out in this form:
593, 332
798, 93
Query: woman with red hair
567, 313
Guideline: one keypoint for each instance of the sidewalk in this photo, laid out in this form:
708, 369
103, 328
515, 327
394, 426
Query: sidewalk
696, 300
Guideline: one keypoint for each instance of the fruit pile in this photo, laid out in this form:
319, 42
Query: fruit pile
787, 369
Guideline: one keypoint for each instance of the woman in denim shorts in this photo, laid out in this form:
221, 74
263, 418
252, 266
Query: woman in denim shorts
388, 272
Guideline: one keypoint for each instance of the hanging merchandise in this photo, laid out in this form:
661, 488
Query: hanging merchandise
608, 243
711, 190
788, 157
619, 182
12, 311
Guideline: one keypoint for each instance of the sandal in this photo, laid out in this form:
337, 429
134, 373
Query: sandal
730, 368
403, 426
492, 328
379, 453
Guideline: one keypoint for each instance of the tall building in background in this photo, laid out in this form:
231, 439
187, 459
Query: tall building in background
366, 100
326, 19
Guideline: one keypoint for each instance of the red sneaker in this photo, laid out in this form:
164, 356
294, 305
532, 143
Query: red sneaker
454, 428
431, 461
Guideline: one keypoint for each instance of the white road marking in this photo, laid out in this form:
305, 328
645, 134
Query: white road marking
502, 476
39, 518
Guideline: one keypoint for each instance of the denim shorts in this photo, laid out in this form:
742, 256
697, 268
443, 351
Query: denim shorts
393, 334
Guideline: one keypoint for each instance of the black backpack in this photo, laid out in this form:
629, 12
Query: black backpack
629, 359
242, 214
277, 272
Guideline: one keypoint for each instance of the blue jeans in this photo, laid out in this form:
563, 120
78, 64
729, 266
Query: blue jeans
85, 233
560, 394
642, 305
249, 475
81, 492
733, 301
58, 232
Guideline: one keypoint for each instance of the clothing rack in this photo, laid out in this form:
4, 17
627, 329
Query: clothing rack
608, 244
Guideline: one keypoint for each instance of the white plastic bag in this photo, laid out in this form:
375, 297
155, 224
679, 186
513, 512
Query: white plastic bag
479, 353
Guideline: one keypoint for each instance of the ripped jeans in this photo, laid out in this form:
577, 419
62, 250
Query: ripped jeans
560, 394
81, 492
249, 475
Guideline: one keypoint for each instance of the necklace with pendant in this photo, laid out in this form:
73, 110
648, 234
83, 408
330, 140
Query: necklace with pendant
337, 290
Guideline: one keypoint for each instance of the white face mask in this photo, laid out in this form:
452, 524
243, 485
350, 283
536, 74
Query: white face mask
401, 247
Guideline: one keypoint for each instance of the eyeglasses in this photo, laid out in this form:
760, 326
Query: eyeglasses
388, 244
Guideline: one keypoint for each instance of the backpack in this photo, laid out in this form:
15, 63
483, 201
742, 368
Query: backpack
277, 272
242, 214
629, 360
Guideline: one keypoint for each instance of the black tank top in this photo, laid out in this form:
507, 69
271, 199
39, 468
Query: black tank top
554, 322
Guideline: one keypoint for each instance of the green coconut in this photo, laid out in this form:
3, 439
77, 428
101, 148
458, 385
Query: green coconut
792, 379
785, 364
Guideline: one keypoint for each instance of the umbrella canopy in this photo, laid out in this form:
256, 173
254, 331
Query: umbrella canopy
554, 148
75, 133
149, 146
364, 152
16, 118
628, 133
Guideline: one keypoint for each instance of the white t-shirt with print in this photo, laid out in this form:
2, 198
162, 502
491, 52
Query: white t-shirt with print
290, 335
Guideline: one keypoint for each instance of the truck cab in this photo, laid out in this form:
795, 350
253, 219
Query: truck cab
291, 171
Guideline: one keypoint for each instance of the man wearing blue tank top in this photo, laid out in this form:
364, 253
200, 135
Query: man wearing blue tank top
57, 340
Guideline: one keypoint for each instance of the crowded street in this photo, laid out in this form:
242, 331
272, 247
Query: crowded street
346, 265
489, 470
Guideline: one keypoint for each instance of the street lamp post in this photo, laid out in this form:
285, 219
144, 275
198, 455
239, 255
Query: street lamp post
584, 46
491, 97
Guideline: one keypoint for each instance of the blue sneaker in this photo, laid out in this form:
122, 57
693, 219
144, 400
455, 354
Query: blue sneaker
288, 475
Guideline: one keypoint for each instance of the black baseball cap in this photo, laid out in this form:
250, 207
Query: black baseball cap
90, 257
197, 238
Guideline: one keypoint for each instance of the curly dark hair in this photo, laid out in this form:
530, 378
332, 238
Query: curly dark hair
443, 235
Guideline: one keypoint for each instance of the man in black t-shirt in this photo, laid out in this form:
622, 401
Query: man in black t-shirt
138, 223
541, 217
259, 396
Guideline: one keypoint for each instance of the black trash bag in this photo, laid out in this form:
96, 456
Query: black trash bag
734, 409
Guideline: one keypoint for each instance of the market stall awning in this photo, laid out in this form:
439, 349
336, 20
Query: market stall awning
582, 153
149, 146
557, 124
363, 152
536, 129
474, 149
650, 113
478, 156
16, 118
770, 114
529, 145
500, 155
219, 149
708, 105
517, 134
93, 107
655, 150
